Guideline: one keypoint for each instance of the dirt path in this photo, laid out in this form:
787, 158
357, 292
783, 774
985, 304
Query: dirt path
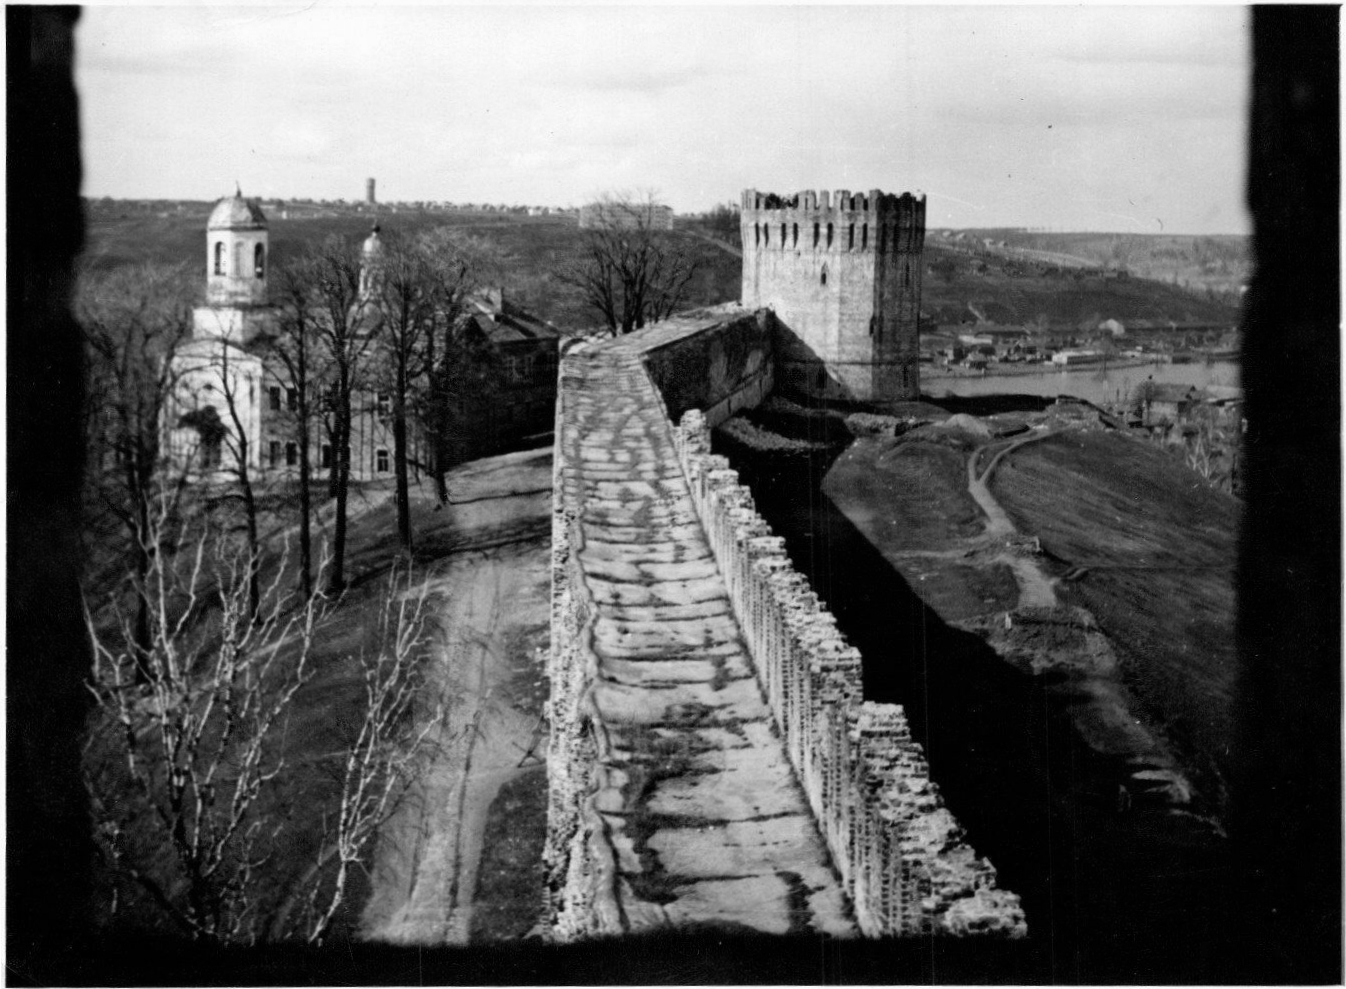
1036, 589
489, 601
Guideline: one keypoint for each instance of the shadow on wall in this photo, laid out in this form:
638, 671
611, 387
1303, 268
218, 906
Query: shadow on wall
800, 372
720, 370
1108, 897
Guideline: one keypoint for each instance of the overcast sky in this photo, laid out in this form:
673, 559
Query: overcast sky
1072, 118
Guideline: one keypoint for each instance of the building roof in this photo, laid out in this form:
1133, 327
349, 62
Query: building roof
502, 322
236, 213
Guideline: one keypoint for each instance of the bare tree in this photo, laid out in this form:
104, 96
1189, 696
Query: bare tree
186, 766
232, 372
197, 739
386, 755
629, 272
345, 332
133, 319
456, 366
295, 347
406, 302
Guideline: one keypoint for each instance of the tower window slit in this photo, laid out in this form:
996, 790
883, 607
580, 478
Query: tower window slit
829, 235
864, 236
782, 235
258, 261
794, 235
815, 234
850, 237
219, 257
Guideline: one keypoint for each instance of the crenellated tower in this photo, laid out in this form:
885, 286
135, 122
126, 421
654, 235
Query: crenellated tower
843, 274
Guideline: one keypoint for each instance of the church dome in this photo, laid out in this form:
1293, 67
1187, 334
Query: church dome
373, 246
236, 213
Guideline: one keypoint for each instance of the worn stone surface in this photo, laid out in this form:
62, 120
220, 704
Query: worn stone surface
712, 756
673, 801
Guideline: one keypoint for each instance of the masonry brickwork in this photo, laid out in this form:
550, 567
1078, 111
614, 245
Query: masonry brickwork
843, 275
711, 757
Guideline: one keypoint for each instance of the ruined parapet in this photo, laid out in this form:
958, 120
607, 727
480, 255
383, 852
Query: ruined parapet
842, 273
574, 863
899, 851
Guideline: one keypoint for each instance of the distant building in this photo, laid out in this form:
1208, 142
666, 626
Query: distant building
1072, 357
230, 384
626, 216
369, 191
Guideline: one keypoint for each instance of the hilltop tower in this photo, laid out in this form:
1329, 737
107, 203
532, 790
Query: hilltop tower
843, 276
236, 269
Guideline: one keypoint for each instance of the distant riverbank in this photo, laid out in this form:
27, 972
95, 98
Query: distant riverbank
1109, 383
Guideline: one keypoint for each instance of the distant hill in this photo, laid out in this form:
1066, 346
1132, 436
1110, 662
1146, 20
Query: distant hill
533, 248
964, 284
1218, 263
965, 280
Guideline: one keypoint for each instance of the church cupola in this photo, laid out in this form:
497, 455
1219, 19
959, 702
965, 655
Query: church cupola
236, 253
372, 263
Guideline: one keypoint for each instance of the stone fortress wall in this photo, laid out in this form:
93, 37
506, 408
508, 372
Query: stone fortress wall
852, 767
900, 852
843, 275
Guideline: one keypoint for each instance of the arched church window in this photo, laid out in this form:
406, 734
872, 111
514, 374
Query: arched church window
824, 279
259, 261
829, 235
794, 235
219, 257
238, 260
850, 238
864, 236
782, 235
815, 234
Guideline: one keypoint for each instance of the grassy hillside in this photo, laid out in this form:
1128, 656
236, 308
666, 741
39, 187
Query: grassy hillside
1155, 552
960, 281
1220, 262
533, 249
960, 284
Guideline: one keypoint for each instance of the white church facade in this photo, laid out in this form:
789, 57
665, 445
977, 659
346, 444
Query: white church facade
230, 384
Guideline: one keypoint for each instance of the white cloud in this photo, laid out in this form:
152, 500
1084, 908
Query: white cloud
553, 103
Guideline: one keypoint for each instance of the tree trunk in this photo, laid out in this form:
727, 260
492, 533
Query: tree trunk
143, 642
400, 456
342, 464
254, 550
305, 504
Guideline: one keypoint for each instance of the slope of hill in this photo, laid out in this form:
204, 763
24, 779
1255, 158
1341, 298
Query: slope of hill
1218, 262
532, 249
963, 279
962, 282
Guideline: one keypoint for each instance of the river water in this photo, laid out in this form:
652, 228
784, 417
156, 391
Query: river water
1102, 386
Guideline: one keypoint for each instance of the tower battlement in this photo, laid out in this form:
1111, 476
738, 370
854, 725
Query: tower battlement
842, 270
838, 220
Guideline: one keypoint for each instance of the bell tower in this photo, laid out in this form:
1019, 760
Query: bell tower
237, 260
